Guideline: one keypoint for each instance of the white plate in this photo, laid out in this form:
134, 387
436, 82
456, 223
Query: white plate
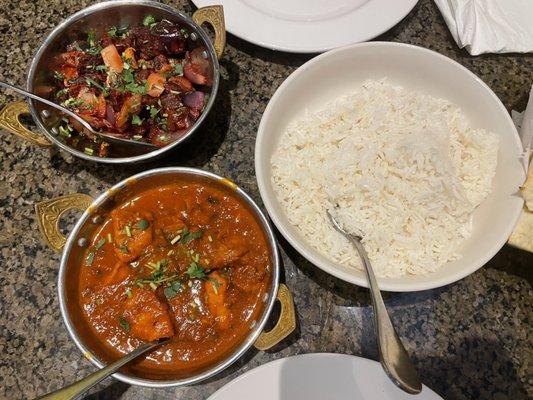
317, 376
310, 26
313, 85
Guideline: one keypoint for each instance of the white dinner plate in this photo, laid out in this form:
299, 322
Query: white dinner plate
310, 26
320, 376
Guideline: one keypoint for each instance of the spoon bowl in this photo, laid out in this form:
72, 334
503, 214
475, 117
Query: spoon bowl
392, 354
109, 137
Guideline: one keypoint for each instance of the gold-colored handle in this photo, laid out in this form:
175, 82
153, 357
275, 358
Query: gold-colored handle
522, 236
285, 325
9, 120
50, 211
214, 16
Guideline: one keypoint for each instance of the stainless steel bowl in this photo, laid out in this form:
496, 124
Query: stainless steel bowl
101, 16
49, 212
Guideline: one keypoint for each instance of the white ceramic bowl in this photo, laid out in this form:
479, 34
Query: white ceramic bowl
341, 71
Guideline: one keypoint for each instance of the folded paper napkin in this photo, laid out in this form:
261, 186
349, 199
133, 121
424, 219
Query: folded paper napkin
522, 236
490, 26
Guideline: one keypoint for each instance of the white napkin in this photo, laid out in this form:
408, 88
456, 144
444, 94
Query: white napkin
490, 26
524, 124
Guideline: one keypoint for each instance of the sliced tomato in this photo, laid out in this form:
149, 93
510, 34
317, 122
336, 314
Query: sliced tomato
132, 105
112, 59
156, 84
129, 56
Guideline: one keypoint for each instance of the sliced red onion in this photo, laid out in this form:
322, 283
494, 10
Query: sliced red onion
194, 100
192, 73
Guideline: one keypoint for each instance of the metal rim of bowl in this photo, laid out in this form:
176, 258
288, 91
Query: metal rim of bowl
59, 29
255, 330
330, 266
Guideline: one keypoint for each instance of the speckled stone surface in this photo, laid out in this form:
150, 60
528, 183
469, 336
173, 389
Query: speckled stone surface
469, 340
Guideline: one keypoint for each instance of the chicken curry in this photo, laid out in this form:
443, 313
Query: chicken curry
187, 261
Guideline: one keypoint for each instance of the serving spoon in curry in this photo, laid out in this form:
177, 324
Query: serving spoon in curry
76, 389
392, 354
109, 137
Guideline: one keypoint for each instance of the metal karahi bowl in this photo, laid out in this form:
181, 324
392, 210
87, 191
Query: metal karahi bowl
101, 16
49, 212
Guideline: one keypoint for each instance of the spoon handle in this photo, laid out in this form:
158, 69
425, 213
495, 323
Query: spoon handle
81, 386
47, 102
394, 357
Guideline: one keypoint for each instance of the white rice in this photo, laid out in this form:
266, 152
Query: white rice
405, 169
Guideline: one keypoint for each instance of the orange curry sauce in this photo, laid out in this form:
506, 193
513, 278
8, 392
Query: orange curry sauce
187, 261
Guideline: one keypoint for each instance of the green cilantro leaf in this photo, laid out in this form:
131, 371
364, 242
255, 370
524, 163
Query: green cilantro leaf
149, 20
143, 224
190, 236
90, 258
124, 324
136, 120
100, 243
196, 271
112, 32
153, 111
178, 69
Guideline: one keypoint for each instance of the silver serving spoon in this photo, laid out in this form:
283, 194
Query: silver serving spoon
109, 137
83, 385
392, 354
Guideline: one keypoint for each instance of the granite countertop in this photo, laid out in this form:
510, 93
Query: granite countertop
469, 340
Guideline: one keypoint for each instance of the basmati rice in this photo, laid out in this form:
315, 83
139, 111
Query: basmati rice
401, 168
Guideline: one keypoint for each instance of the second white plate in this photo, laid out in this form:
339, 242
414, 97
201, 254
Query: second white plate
317, 377
310, 26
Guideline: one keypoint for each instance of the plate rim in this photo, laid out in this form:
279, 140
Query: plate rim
325, 355
299, 49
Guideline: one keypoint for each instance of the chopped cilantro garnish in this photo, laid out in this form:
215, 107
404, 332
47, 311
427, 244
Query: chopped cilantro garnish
215, 283
173, 289
149, 20
124, 249
190, 236
112, 32
62, 92
128, 293
178, 69
143, 224
102, 68
124, 324
91, 38
64, 132
95, 84
100, 243
196, 271
59, 76
153, 111
71, 102
136, 120
136, 88
89, 259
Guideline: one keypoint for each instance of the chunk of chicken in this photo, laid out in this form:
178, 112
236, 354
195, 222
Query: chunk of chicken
226, 252
215, 289
147, 316
132, 233
119, 273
